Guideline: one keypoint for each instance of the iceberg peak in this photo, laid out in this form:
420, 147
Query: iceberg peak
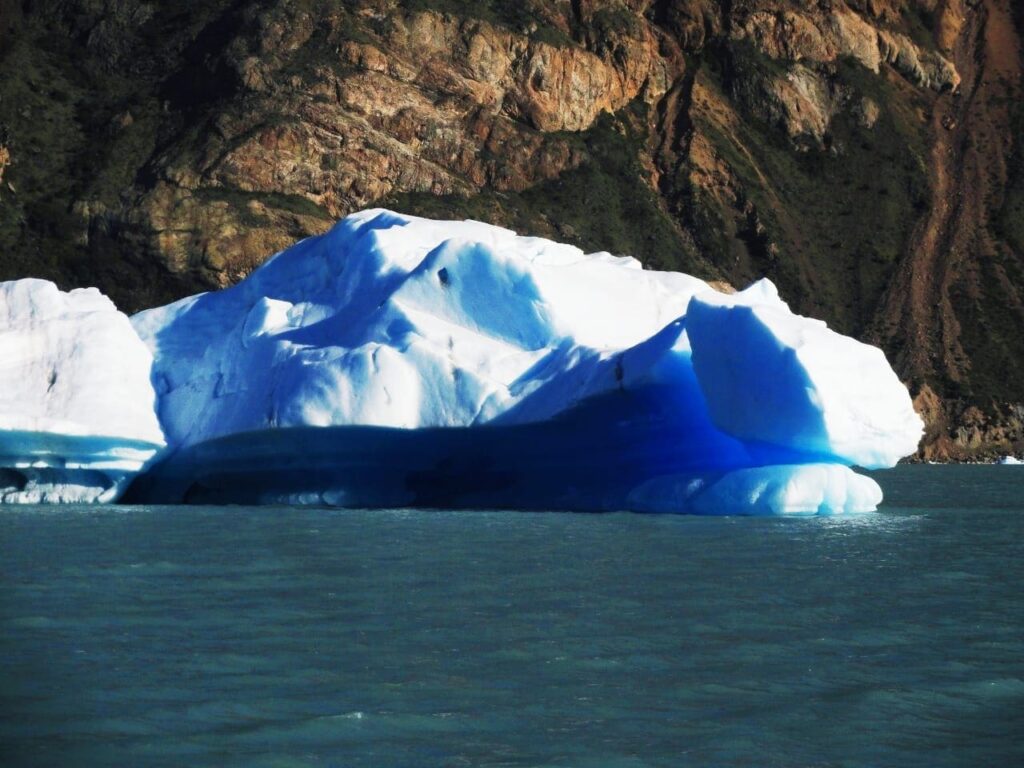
401, 360
774, 377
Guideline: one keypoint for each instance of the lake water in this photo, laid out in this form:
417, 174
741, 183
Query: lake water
237, 636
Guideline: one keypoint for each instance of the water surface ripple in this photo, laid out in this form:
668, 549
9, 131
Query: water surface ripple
231, 636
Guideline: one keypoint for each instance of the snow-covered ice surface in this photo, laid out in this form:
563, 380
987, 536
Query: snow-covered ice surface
77, 408
402, 361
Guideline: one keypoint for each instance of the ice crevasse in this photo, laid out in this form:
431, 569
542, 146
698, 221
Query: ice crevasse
399, 361
77, 406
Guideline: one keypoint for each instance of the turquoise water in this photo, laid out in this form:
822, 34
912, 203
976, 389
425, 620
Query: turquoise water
235, 636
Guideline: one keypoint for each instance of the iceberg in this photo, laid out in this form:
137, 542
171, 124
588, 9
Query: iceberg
401, 361
77, 406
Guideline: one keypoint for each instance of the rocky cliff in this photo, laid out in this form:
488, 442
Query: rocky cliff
864, 154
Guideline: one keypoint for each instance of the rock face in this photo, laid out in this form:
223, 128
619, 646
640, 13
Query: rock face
863, 154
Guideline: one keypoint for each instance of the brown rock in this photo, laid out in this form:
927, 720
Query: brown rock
867, 112
821, 37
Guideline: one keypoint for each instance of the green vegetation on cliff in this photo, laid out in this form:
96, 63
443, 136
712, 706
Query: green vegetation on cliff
837, 217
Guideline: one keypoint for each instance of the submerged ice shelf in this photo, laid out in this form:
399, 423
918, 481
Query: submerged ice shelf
401, 361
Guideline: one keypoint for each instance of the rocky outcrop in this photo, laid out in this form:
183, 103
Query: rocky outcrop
846, 148
426, 102
805, 97
812, 36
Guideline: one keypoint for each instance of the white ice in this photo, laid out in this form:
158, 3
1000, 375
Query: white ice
455, 363
77, 408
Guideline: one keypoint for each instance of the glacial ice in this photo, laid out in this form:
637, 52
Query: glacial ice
77, 408
817, 390
399, 361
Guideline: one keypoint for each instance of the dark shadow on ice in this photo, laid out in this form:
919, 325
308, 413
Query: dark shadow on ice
41, 467
591, 459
